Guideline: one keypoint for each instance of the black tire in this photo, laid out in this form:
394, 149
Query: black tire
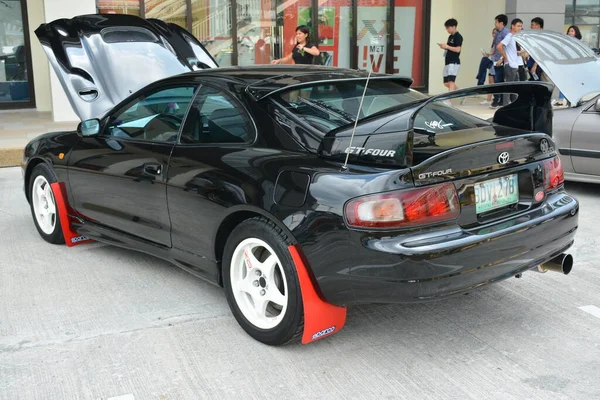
56, 236
291, 327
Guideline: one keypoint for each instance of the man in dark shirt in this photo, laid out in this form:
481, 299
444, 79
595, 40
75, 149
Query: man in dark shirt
452, 54
534, 68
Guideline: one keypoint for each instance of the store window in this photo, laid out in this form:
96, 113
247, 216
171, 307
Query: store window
131, 7
374, 28
387, 36
211, 25
372, 32
15, 86
408, 39
335, 27
172, 11
585, 14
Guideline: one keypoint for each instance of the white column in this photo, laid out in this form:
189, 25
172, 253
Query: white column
55, 9
551, 11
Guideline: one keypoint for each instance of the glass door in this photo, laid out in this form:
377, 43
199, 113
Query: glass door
15, 86
266, 29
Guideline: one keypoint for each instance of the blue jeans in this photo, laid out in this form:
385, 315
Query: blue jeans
484, 65
498, 78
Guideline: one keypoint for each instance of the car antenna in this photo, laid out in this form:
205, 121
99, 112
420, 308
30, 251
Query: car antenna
345, 166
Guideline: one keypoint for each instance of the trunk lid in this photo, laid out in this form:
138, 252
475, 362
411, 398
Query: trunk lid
102, 59
571, 65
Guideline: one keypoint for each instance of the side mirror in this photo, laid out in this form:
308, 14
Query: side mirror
90, 127
597, 107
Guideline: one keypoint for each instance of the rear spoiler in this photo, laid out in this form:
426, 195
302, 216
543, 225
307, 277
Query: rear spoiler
387, 141
531, 111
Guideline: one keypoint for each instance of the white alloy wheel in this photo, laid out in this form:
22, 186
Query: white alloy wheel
258, 283
44, 205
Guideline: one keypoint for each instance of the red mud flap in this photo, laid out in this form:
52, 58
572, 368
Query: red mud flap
72, 238
321, 319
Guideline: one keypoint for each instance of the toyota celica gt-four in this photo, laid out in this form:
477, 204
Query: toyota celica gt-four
301, 190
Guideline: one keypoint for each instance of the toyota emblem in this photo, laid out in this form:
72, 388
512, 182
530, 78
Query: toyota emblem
503, 157
544, 146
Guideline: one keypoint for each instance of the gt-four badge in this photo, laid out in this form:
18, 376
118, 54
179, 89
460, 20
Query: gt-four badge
373, 152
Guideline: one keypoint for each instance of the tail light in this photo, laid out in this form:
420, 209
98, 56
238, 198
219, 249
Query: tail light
553, 173
404, 208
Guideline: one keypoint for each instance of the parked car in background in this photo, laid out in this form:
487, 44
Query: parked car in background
575, 70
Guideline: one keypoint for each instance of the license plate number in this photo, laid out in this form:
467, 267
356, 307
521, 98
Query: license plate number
496, 193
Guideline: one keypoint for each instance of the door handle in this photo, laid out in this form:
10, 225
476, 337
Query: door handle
153, 168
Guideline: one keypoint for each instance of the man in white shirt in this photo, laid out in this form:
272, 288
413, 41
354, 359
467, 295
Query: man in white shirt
508, 48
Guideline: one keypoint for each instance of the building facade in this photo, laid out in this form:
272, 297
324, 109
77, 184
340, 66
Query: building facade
397, 36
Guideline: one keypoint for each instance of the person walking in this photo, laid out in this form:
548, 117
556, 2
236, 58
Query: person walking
304, 52
500, 22
451, 54
508, 48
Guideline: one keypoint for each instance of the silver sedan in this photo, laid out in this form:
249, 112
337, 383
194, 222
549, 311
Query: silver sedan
574, 68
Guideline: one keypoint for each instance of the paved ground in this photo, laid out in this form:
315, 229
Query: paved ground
96, 322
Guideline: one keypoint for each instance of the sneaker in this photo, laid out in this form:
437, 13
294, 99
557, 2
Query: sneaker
484, 102
494, 106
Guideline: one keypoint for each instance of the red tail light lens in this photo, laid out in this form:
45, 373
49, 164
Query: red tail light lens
553, 173
404, 208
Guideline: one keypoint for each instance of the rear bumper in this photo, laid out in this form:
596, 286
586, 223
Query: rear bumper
435, 264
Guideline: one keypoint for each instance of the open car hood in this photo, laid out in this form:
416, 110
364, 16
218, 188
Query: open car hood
571, 65
101, 59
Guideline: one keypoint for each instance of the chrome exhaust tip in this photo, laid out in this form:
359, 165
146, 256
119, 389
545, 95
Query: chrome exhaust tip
562, 263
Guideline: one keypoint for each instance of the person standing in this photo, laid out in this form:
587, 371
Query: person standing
452, 53
500, 22
304, 52
508, 48
536, 72
573, 31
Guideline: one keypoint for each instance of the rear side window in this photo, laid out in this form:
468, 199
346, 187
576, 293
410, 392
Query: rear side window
216, 116
439, 118
329, 106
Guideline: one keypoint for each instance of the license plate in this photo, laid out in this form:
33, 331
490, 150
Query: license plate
496, 193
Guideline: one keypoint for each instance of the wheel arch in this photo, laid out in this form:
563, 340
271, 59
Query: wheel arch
236, 216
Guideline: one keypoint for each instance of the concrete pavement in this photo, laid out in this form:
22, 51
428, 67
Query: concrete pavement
96, 322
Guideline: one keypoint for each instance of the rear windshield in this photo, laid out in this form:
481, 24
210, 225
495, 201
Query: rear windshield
330, 106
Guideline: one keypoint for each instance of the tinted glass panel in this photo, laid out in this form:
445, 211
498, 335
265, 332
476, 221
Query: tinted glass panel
216, 117
329, 106
156, 117
14, 85
438, 118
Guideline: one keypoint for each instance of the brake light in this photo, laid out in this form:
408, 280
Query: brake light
404, 208
553, 173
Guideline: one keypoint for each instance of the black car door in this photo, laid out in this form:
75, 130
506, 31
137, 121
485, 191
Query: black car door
118, 177
210, 168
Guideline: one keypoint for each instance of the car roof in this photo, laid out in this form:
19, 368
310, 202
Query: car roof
264, 80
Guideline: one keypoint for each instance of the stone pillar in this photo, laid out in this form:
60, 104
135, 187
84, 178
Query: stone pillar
552, 11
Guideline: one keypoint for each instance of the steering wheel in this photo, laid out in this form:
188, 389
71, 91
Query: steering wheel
162, 125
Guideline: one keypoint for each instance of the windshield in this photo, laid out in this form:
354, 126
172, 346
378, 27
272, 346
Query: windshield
332, 105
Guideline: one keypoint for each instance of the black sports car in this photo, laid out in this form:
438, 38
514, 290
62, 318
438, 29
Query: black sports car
299, 189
